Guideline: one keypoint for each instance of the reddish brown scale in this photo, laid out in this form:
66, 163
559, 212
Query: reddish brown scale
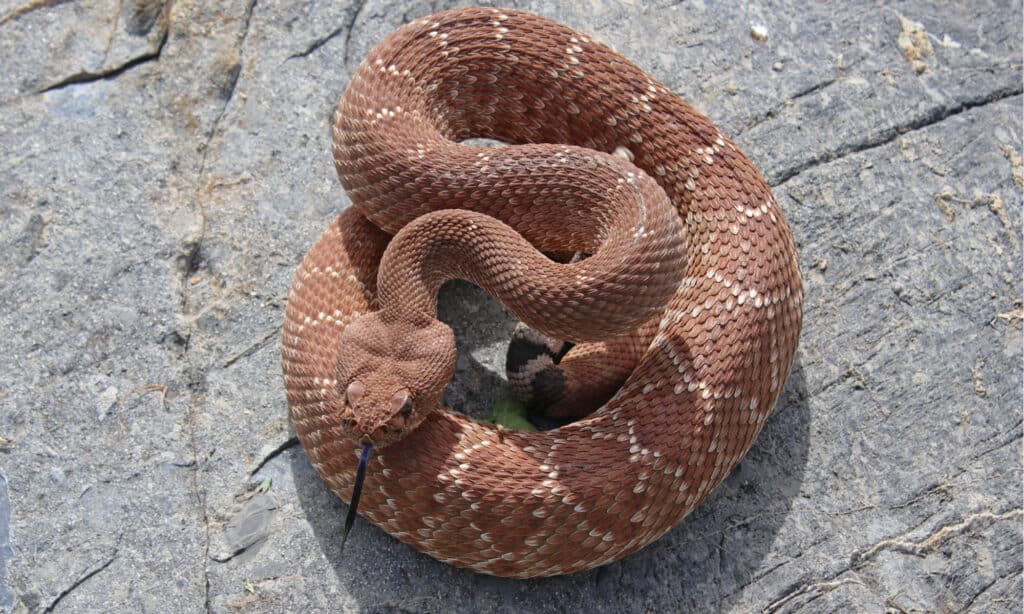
717, 352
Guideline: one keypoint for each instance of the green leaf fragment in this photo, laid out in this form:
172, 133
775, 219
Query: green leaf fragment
510, 415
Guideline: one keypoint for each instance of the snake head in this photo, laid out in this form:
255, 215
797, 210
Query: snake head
391, 374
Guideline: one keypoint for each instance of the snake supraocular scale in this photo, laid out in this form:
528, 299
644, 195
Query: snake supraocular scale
692, 293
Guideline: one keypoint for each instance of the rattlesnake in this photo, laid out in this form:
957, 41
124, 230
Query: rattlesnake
692, 281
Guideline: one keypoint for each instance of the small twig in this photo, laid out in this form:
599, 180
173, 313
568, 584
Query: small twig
161, 388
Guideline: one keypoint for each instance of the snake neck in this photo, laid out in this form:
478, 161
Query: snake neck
632, 273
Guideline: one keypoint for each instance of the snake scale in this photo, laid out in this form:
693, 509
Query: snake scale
691, 294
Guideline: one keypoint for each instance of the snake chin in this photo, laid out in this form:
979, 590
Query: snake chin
390, 376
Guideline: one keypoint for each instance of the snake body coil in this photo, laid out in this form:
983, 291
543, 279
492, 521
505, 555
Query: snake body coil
691, 294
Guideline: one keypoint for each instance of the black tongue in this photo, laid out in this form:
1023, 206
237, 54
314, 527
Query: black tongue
357, 488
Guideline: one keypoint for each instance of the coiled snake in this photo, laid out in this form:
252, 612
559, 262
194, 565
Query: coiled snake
691, 297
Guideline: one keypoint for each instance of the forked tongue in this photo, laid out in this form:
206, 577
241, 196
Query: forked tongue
357, 488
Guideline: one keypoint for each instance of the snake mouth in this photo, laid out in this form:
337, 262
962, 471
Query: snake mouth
357, 489
379, 437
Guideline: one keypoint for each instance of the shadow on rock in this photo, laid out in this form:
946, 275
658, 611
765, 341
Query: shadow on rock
482, 329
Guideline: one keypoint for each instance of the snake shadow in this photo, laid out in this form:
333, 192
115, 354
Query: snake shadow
702, 564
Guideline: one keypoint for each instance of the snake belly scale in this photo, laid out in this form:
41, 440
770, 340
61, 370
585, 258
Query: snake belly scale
691, 261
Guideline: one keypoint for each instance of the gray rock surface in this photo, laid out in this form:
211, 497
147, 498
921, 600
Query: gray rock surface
164, 166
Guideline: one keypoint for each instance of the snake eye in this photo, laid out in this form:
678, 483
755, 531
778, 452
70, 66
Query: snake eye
401, 403
354, 392
401, 409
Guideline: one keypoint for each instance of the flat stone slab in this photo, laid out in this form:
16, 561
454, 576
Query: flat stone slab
164, 166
